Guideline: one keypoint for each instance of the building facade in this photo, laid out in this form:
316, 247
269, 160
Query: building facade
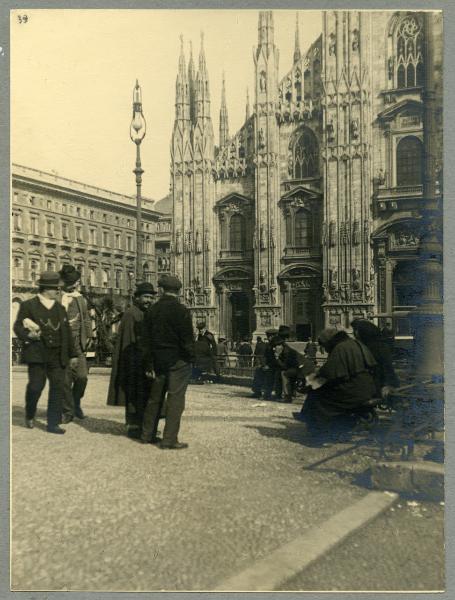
312, 213
57, 221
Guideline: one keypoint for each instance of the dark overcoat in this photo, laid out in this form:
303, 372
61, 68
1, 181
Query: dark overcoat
34, 351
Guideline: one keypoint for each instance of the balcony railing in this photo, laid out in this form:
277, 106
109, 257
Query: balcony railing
399, 192
301, 252
236, 254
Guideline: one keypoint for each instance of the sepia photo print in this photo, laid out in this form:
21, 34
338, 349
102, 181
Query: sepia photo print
227, 300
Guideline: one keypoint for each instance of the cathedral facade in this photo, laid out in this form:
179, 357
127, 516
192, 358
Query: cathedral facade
311, 214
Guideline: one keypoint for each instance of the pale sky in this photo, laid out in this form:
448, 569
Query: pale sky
73, 73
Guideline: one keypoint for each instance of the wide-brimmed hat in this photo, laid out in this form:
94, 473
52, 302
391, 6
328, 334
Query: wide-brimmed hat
50, 280
69, 274
145, 288
169, 283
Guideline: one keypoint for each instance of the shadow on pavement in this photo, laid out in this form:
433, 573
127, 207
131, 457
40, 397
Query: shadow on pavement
18, 418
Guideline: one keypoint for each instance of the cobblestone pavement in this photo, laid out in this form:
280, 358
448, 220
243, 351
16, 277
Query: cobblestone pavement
93, 510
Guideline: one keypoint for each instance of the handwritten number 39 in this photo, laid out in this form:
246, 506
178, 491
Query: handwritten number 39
22, 19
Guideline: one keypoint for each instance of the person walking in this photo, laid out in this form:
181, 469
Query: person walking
128, 385
260, 372
221, 352
259, 352
205, 352
169, 351
76, 375
245, 352
289, 365
43, 327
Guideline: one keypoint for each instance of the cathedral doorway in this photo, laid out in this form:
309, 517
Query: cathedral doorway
302, 300
240, 307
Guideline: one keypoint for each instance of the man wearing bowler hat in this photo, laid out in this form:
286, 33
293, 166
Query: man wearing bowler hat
42, 325
169, 351
129, 386
81, 327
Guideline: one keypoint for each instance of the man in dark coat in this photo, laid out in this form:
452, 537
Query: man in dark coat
345, 380
129, 386
169, 351
205, 352
245, 351
42, 325
289, 365
259, 378
76, 377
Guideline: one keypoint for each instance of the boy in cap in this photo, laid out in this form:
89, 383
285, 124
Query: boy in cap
169, 349
42, 325
129, 386
81, 327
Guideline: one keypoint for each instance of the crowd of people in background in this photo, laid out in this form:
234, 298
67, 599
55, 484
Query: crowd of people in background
158, 353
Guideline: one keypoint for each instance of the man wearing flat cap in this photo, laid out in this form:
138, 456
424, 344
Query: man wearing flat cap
169, 348
81, 327
42, 325
129, 386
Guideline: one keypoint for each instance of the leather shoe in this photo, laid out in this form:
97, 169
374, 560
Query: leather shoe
29, 423
176, 446
78, 413
155, 440
67, 419
56, 429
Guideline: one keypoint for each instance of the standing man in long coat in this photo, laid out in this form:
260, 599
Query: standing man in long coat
129, 386
169, 349
76, 376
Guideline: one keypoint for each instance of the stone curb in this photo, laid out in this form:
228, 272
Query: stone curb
273, 571
423, 478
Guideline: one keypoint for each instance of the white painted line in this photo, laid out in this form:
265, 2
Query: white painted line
286, 562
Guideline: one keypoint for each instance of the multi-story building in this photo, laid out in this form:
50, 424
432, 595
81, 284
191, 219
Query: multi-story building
57, 221
312, 212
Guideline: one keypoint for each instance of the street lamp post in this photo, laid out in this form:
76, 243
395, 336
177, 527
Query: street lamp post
137, 134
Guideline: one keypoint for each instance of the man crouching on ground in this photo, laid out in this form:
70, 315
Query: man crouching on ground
169, 352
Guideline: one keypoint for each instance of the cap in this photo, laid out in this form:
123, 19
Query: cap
271, 331
49, 279
169, 283
200, 324
69, 274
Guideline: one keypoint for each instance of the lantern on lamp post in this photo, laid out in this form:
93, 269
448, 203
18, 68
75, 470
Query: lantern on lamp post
137, 134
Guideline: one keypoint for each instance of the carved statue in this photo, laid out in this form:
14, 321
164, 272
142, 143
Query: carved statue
291, 165
263, 244
355, 36
381, 177
356, 233
206, 239
355, 279
355, 129
272, 237
324, 234
332, 45
178, 242
333, 279
332, 234
263, 81
390, 67
189, 245
198, 242
261, 139
330, 130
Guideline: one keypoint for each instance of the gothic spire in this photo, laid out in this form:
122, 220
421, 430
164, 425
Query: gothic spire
224, 122
247, 108
202, 93
191, 82
297, 54
181, 86
265, 28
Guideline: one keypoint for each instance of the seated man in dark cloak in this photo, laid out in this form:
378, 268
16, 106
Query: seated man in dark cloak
129, 386
344, 383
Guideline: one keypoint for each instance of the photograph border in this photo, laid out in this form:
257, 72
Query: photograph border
448, 7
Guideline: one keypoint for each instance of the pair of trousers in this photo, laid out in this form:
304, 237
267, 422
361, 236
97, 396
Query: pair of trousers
75, 384
173, 383
37, 375
272, 382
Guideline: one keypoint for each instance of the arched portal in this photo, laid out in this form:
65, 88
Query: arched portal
235, 302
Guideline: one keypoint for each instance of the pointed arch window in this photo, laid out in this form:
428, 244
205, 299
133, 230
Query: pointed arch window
409, 65
409, 161
306, 160
303, 229
237, 233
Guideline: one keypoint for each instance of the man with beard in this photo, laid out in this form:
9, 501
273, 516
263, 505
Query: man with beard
129, 386
81, 327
